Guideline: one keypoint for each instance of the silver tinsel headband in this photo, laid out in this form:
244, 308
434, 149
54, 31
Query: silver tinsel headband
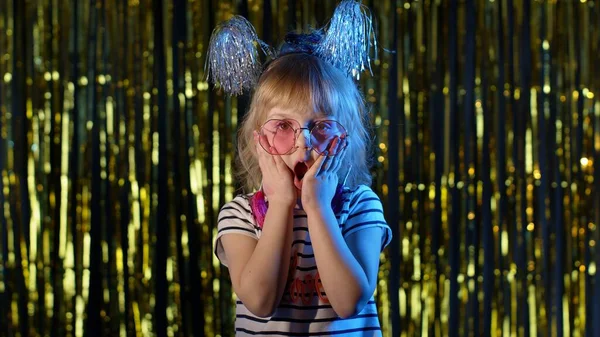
233, 61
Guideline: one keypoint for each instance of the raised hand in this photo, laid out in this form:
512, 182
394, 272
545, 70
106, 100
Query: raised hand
277, 178
321, 180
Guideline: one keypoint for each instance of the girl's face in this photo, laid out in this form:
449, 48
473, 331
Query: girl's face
283, 132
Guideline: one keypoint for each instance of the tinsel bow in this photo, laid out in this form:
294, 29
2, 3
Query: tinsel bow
349, 39
233, 61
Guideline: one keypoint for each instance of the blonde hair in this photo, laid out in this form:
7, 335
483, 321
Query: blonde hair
304, 82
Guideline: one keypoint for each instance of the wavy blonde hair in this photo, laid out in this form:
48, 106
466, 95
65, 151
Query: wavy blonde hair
304, 82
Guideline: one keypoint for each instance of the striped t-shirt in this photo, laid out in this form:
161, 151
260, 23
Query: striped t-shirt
304, 309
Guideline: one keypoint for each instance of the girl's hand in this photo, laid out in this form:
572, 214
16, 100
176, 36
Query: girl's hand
277, 178
320, 182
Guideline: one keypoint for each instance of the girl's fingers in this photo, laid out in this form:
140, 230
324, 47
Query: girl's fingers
279, 163
268, 160
262, 141
330, 160
260, 152
325, 162
265, 142
260, 159
343, 144
255, 136
321, 163
337, 162
334, 143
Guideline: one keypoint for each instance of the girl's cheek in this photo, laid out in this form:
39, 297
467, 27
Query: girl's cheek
288, 163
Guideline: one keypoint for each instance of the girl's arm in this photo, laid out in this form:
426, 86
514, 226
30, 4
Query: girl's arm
259, 269
347, 267
347, 260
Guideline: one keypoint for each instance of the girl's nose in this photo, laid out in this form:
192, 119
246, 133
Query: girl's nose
303, 139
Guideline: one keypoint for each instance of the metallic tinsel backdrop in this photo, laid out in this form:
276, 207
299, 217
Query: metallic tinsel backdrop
115, 156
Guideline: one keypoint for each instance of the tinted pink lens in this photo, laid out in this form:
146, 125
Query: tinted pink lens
278, 137
322, 135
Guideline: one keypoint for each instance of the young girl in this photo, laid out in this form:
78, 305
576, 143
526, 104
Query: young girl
303, 252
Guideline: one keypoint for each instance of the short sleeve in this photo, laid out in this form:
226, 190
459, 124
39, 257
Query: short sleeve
365, 211
235, 217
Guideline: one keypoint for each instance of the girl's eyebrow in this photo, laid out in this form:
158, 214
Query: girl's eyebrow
280, 115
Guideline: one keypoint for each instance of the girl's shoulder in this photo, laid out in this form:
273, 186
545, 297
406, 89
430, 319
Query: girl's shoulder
239, 204
363, 209
355, 193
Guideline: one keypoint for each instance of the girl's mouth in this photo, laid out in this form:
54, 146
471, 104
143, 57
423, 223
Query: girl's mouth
299, 171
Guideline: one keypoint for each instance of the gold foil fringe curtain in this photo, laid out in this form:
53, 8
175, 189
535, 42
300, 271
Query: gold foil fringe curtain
115, 156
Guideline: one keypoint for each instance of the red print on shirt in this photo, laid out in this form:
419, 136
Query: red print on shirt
304, 289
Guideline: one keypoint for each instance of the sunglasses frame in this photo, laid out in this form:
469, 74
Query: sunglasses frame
291, 123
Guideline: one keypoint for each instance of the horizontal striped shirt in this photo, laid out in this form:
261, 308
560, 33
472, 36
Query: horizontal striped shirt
304, 309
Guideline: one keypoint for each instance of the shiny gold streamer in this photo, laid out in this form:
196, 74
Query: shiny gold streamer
91, 91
